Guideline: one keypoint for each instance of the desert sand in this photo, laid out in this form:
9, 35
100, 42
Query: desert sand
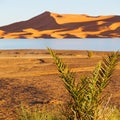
30, 77
53, 25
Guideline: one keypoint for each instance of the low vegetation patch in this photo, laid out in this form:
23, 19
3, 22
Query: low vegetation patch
90, 54
25, 113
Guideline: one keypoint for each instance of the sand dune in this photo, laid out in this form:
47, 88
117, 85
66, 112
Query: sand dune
52, 25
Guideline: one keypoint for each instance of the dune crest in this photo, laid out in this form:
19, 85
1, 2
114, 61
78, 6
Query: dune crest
114, 26
72, 18
53, 25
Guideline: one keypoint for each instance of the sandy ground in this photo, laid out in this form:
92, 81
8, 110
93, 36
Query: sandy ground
30, 77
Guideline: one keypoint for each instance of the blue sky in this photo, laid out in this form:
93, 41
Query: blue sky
17, 10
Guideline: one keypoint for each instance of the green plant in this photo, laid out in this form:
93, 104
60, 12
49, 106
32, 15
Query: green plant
115, 114
86, 92
89, 54
28, 114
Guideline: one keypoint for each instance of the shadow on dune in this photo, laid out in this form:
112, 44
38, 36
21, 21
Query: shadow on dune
110, 32
41, 22
44, 36
91, 25
69, 36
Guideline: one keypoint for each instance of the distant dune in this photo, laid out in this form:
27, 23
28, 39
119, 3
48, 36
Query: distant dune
52, 25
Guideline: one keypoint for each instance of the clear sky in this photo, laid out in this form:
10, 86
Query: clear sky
17, 10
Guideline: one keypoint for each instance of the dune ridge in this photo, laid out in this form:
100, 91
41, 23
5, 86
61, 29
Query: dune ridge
53, 25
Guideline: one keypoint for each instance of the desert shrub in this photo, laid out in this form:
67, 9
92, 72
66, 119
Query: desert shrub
115, 114
41, 60
25, 113
16, 53
86, 101
28, 114
89, 54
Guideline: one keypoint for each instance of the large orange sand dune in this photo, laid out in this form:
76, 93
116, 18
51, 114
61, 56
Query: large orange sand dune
52, 25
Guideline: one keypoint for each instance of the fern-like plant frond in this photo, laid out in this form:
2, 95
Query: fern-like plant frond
86, 92
67, 75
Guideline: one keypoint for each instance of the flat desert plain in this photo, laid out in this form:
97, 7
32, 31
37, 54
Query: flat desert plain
30, 77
